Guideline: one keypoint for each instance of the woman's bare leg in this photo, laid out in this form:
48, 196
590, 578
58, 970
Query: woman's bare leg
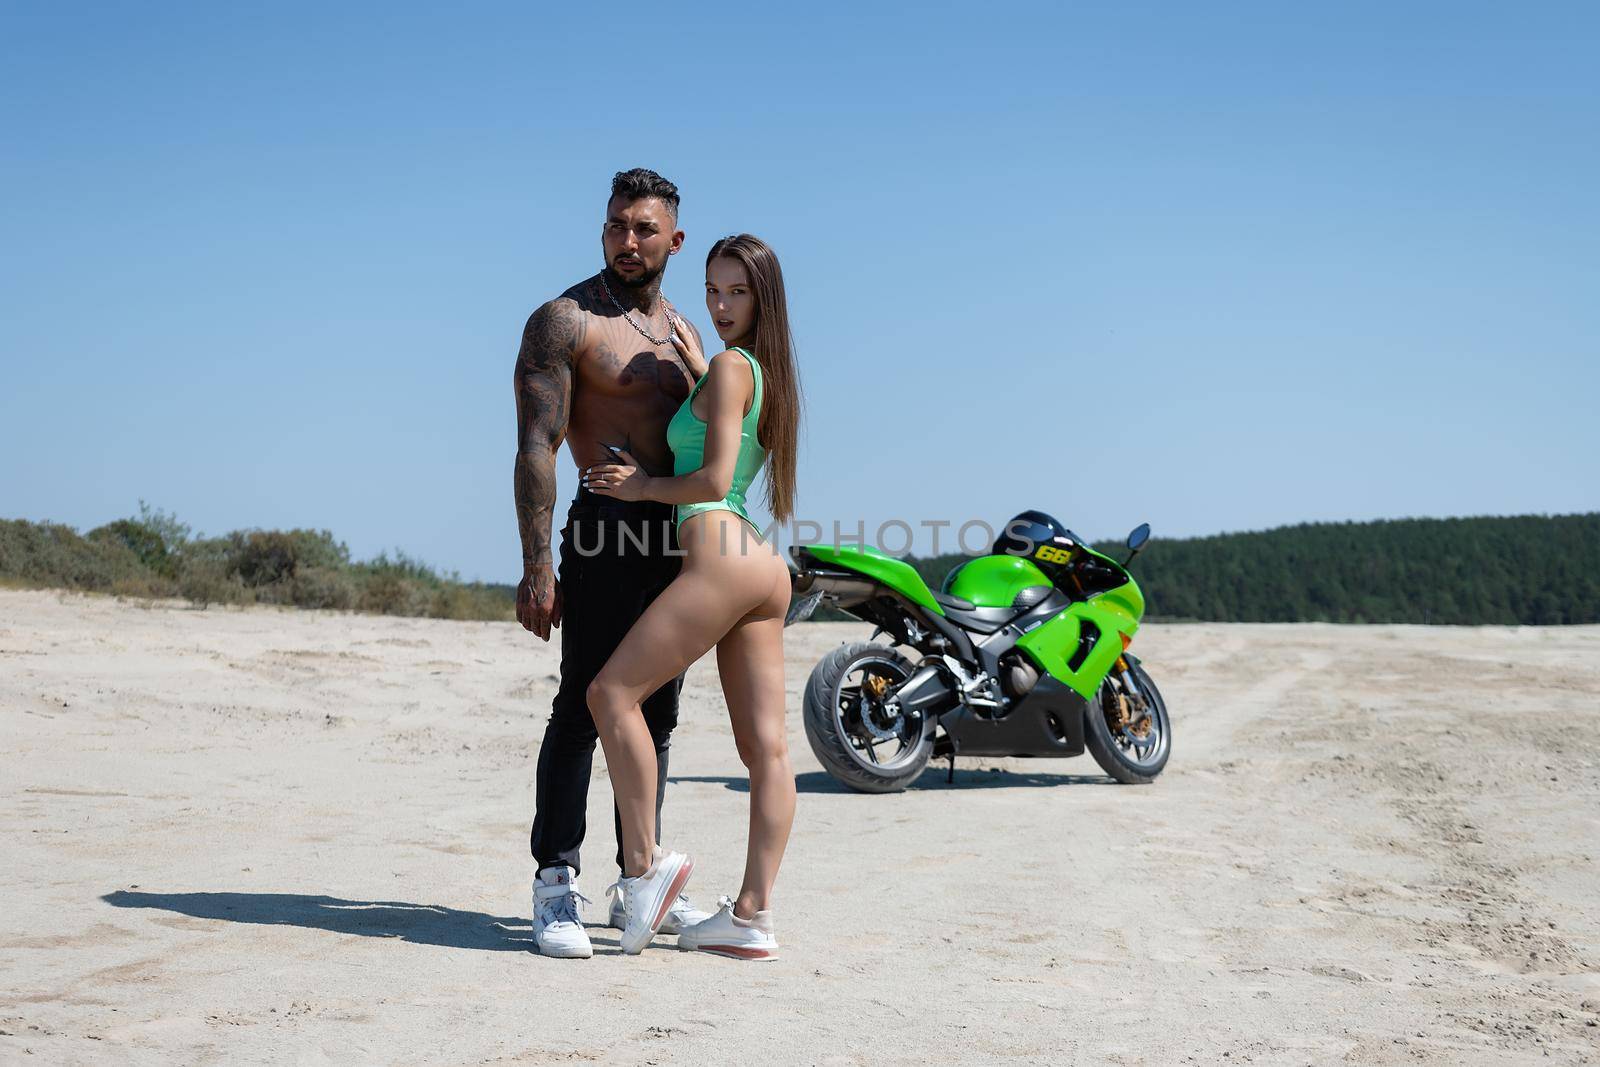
714, 591
750, 661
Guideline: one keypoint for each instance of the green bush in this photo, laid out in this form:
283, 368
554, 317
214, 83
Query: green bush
263, 558
146, 544
270, 557
208, 581
454, 600
387, 593
323, 587
51, 555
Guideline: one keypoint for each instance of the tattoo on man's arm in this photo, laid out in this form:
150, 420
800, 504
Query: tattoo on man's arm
543, 382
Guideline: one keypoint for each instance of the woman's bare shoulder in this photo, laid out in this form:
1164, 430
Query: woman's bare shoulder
731, 367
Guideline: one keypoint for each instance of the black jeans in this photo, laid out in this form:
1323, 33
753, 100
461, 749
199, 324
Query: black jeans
616, 557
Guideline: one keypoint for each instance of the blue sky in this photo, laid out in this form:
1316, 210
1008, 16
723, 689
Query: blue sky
1217, 267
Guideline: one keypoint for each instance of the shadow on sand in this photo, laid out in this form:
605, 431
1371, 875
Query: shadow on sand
932, 778
422, 924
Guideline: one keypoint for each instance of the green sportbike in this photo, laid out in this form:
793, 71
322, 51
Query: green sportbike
1024, 652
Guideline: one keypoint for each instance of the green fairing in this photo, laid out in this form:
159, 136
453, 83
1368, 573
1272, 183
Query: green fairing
880, 566
1114, 612
994, 581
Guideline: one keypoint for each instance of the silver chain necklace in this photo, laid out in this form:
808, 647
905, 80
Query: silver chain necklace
672, 331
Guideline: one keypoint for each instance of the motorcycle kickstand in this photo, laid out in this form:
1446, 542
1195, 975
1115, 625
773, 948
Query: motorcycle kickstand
950, 777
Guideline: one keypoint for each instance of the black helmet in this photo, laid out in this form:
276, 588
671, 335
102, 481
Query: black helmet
1027, 533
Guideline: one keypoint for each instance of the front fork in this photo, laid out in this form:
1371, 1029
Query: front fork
1129, 717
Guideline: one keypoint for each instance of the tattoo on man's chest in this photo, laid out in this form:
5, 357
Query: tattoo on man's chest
647, 367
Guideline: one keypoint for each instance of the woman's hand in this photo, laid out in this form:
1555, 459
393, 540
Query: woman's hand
688, 346
625, 480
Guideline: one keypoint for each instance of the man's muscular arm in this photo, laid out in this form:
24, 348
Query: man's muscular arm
543, 381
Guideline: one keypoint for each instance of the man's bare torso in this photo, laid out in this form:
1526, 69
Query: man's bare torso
624, 389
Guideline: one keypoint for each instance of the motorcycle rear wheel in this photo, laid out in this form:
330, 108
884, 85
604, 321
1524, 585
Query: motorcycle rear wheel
843, 743
1125, 757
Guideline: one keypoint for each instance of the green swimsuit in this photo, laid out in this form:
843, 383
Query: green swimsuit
686, 436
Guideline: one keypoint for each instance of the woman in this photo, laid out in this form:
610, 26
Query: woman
732, 593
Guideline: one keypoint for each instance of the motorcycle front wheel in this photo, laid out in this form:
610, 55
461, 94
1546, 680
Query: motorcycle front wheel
1129, 734
858, 738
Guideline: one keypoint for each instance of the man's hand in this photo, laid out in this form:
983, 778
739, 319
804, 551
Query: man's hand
539, 602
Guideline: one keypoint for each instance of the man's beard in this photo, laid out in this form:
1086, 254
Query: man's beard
644, 278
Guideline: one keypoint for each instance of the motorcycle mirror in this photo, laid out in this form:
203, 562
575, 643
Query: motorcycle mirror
1136, 541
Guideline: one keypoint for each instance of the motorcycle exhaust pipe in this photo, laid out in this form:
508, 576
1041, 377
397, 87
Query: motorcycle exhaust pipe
926, 692
843, 590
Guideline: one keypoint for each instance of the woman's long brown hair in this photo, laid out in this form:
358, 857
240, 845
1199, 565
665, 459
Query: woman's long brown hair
778, 428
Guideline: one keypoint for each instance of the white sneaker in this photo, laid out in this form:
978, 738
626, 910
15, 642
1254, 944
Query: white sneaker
681, 914
557, 930
728, 935
647, 899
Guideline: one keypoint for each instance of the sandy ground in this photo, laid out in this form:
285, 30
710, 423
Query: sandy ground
267, 836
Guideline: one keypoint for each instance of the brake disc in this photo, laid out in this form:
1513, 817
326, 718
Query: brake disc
873, 686
1130, 718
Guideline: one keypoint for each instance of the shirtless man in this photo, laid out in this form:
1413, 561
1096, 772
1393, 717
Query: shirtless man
598, 368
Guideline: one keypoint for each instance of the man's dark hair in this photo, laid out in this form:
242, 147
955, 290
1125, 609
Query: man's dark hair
642, 184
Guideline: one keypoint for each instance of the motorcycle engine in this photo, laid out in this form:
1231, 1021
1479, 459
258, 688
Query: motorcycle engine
1017, 674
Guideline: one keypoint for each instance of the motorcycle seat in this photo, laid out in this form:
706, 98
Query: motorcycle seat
945, 600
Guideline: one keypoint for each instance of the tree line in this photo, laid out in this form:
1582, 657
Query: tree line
1527, 570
